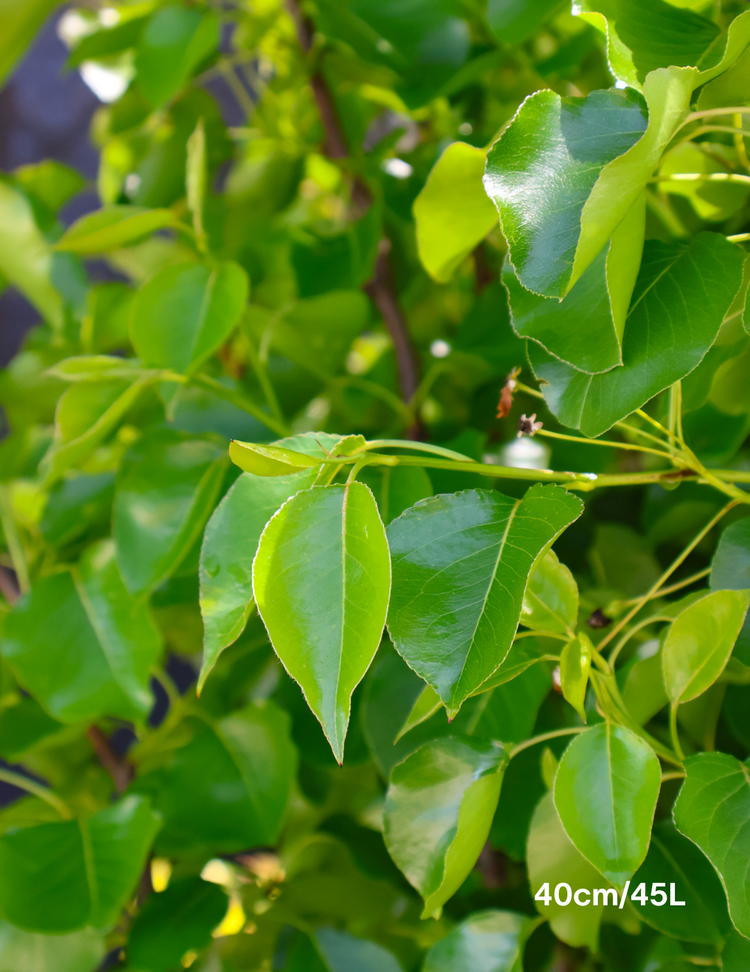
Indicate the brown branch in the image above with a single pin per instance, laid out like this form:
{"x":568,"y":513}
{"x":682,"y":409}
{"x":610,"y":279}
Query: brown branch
{"x":484,"y":275}
{"x":381,"y":288}
{"x":120,"y":769}
{"x":9,"y":587}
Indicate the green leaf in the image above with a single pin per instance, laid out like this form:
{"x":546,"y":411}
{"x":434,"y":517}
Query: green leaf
{"x":112,"y":228}
{"x":644,"y":693}
{"x":59,"y":877}
{"x":452,"y":212}
{"x":226,"y":788}
{"x":575,"y":665}
{"x":104,"y":43}
{"x":699,"y":643}
{"x":77,"y":952}
{"x":736,"y":954}
{"x":396,"y":488}
{"x":321,"y":580}
{"x":22,"y":726}
{"x":175,"y":921}
{"x":649,"y":35}
{"x":551,"y":599}
{"x":681,"y":298}
{"x":427,"y":704}
{"x":51,"y":182}
{"x":512,"y":21}
{"x":184,"y":313}
{"x":20,"y":22}
{"x":196,"y":177}
{"x":672,"y":859}
{"x":229,"y":547}
{"x":713,"y":810}
{"x":81,"y":645}
{"x":486,"y":941}
{"x":269,"y":460}
{"x":553,"y":859}
{"x":332,"y":950}
{"x":460,"y":567}
{"x":573,"y":139}
{"x":438,"y":813}
{"x":606,"y":790}
{"x":509,"y":711}
{"x":523,"y":654}
{"x":25,"y":256}
{"x":167,"y":487}
{"x":173,"y":43}
{"x":730,"y":568}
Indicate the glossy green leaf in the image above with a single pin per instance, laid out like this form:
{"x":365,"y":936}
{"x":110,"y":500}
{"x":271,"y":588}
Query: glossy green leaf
{"x":226,"y":788}
{"x":552,"y":858}
{"x":111,"y":228}
{"x":58,"y":877}
{"x":81,"y":645}
{"x":452,"y":212}
{"x":605,"y":793}
{"x":183,"y":314}
{"x":229,"y":547}
{"x":177,"y":920}
{"x":166,"y":490}
{"x":174,"y":41}
{"x":713,"y":810}
{"x":680,"y":300}
{"x":25,"y":256}
{"x":486,"y":941}
{"x":575,"y":665}
{"x":700,"y":641}
{"x":672,"y":859}
{"x":269,"y":460}
{"x":77,"y":952}
{"x":322,"y":580}
{"x":542,"y":169}
{"x":551,"y":599}
{"x":438,"y":813}
{"x":460,"y":568}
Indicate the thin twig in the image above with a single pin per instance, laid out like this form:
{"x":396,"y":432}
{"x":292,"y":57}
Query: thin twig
{"x":121,"y":770}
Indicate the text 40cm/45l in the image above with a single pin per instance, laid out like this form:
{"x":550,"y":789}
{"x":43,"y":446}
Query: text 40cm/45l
{"x":564,"y":895}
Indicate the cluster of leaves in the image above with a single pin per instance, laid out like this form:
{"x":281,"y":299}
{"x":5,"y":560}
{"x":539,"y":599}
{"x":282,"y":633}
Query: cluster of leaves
{"x":299,"y":644}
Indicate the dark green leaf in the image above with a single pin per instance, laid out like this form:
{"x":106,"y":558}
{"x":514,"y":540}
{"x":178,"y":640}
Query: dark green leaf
{"x":605,"y":791}
{"x":174,"y":922}
{"x":736,"y":954}
{"x":229,"y":547}
{"x":22,"y":726}
{"x":509,"y":711}
{"x":672,"y":859}
{"x":487,"y":941}
{"x":186,"y":312}
{"x":460,"y":568}
{"x":227,"y":788}
{"x":58,"y":877}
{"x":166,"y":490}
{"x":512,"y":21}
{"x":713,"y":810}
{"x":322,"y":579}
{"x":82,"y":645}
{"x":438,"y":813}
{"x":680,"y":300}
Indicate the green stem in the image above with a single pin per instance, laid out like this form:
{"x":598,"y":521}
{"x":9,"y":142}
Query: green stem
{"x":675,"y":410}
{"x":23,"y":783}
{"x":603,"y":442}
{"x":739,"y":238}
{"x":263,"y":380}
{"x":673,"y":587}
{"x":237,"y":399}
{"x":418,"y":447}
{"x":667,"y":574}
{"x":674,"y":735}
{"x":654,"y":619}
{"x":704,"y":177}
{"x":673,"y":775}
{"x":528,"y":743}
{"x":714,"y":112}
{"x":15,"y":547}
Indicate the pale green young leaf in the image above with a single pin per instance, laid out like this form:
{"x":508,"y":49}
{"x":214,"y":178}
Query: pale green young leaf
{"x":269,"y":460}
{"x":184,"y":313}
{"x":606,"y":790}
{"x":713,"y":810}
{"x":78,"y":951}
{"x":196,"y":175}
{"x":699,"y":643}
{"x":672,"y":859}
{"x":460,"y":566}
{"x":550,"y":602}
{"x":644,"y":693}
{"x":20,"y":22}
{"x":552,"y":858}
{"x":81,"y":645}
{"x":113,"y":227}
{"x":167,"y":487}
{"x":452,"y":212}
{"x":59,"y":877}
{"x":681,"y":298}
{"x":542,"y":169}
{"x":427,"y":704}
{"x":321,"y":581}
{"x":229,"y":547}
{"x":575,"y":665}
{"x":486,"y":941}
{"x":438,"y":813}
